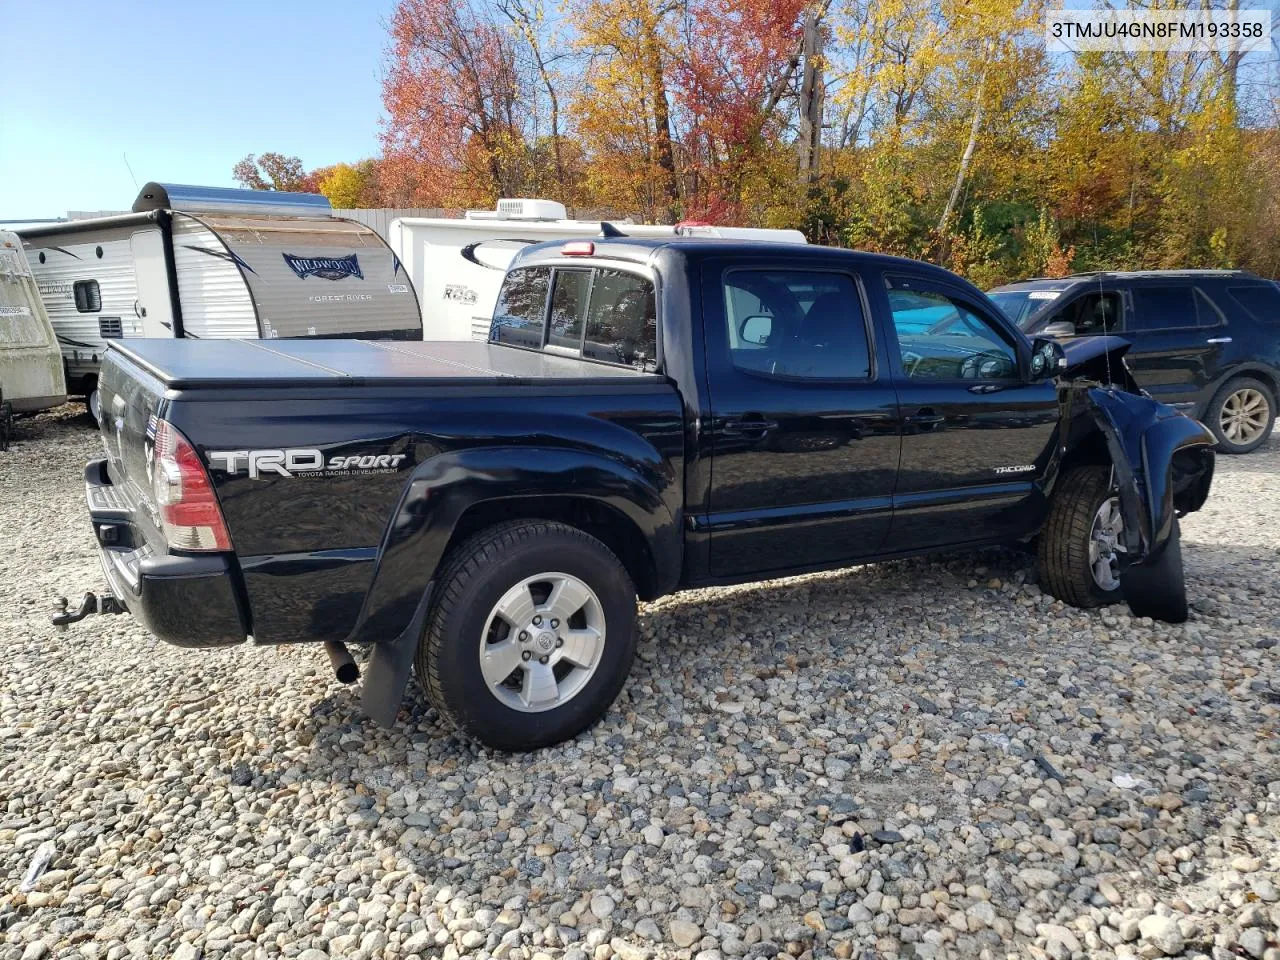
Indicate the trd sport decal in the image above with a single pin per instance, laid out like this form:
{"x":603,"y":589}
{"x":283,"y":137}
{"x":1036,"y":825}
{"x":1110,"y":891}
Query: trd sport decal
{"x":331,"y":268}
{"x":303,"y":463}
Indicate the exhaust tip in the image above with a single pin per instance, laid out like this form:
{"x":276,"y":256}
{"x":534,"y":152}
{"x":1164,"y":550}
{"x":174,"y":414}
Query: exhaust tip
{"x":344,"y":667}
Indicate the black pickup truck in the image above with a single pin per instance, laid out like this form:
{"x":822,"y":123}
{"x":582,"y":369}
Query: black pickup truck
{"x":648,"y":416}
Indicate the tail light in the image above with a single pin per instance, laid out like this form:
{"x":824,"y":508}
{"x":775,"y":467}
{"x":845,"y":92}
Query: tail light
{"x":189,"y":511}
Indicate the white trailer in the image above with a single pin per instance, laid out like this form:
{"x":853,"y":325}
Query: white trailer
{"x":457,"y":265}
{"x":30,"y":363}
{"x":215,"y":263}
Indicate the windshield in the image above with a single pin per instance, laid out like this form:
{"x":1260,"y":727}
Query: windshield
{"x":1023,"y":306}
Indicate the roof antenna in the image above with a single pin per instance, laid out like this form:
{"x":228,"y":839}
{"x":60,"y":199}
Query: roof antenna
{"x":607,"y":229}
{"x":130,"y":169}
{"x":1111,"y":384}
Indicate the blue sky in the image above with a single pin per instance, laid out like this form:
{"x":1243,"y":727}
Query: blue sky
{"x":185,"y":89}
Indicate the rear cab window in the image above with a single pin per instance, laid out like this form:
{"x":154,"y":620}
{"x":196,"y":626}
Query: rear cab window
{"x":596,"y":313}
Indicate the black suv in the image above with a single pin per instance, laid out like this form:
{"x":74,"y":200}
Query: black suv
{"x":1205,"y":341}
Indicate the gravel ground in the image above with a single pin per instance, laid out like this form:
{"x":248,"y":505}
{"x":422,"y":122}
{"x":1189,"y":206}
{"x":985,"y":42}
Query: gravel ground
{"x":920,"y":759}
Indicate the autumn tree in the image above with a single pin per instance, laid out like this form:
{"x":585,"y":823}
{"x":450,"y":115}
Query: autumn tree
{"x":622,"y":107}
{"x":349,"y":185}
{"x":459,"y":104}
{"x":273,"y":171}
{"x":740,"y":66}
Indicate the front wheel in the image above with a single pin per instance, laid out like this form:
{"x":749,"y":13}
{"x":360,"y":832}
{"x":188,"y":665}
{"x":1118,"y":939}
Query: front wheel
{"x":1080,"y":546}
{"x":532,"y":636}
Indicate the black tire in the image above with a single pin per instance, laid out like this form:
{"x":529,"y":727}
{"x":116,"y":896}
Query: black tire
{"x":1064,"y":542}
{"x":476,"y":576}
{"x":1157,"y":589}
{"x":1213,"y":415}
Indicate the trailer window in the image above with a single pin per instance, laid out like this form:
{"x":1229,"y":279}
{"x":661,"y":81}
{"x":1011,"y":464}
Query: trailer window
{"x":520,"y":313}
{"x":87,"y":295}
{"x":622,"y":321}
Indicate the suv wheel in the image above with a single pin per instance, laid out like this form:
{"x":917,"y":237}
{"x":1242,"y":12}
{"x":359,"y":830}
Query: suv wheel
{"x":1080,"y":541}
{"x":1241,"y":415}
{"x":532,"y":637}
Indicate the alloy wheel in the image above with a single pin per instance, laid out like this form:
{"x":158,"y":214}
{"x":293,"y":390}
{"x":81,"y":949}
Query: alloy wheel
{"x":542,"y":642}
{"x":1245,"y":415}
{"x":1105,"y":544}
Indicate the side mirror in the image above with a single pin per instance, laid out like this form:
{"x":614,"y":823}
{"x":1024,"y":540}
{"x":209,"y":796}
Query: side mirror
{"x":756,"y":329}
{"x":1059,"y":328}
{"x":1048,"y":359}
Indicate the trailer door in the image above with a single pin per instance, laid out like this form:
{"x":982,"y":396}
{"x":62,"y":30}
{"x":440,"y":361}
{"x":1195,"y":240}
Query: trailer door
{"x":154,"y":307}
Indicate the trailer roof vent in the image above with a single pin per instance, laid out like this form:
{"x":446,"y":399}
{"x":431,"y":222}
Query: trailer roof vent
{"x":191,"y":199}
{"x":522,"y":209}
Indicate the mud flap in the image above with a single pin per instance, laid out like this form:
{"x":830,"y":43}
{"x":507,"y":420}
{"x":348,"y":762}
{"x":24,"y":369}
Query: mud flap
{"x":387,"y":674}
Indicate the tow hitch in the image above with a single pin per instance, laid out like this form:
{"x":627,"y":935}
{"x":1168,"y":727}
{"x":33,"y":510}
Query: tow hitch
{"x":91,"y":603}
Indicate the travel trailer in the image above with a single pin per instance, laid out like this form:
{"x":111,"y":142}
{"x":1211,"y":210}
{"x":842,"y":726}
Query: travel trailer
{"x":456,"y":265}
{"x":30,"y":363}
{"x":215,"y":263}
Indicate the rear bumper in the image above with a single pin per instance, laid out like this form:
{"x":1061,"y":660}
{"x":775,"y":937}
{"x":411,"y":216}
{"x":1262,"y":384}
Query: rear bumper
{"x":189,"y":600}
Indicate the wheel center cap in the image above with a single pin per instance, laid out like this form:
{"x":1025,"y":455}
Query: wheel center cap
{"x":545,"y":641}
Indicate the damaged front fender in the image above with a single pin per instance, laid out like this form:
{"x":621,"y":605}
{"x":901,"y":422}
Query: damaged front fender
{"x":1163,"y":465}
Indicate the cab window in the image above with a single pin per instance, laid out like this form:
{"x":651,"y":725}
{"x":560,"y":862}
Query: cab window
{"x":593,"y":312}
{"x":520,"y":313}
{"x":622,"y":320}
{"x":796,"y":324}
{"x":940,"y":337}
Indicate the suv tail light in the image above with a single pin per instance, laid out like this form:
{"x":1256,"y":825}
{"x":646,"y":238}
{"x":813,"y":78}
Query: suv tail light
{"x":189,"y":510}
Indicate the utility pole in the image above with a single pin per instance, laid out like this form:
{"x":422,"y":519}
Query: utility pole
{"x":811,"y":94}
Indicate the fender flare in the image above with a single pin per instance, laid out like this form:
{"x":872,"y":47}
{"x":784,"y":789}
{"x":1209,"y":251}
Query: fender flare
{"x":444,"y":487}
{"x":1145,"y":438}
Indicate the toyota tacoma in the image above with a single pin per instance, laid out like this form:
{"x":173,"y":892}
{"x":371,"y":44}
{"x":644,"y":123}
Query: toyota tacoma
{"x":647,"y":416}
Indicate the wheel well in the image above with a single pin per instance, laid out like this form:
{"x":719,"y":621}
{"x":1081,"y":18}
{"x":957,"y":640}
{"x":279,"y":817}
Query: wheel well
{"x":608,"y":525}
{"x":1089,"y":449}
{"x":1265,"y":376}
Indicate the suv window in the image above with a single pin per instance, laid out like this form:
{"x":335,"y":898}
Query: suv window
{"x":1093,"y":313}
{"x":942,"y":338}
{"x":1261,"y":300}
{"x":804,"y":324}
{"x":520,"y":313}
{"x":1171,"y":308}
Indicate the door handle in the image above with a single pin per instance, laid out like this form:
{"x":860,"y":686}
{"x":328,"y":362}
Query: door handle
{"x":1218,"y":340}
{"x":750,"y":424}
{"x":926,"y":417}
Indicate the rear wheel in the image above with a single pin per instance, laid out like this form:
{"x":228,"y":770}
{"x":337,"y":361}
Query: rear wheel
{"x":1241,"y":415}
{"x":1080,"y":546}
{"x":532,"y":637}
{"x":94,"y":402}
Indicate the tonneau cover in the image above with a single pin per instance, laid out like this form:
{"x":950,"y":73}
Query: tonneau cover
{"x":188,"y":364}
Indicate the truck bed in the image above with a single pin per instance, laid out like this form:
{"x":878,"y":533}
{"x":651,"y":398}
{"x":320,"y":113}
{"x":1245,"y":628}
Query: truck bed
{"x":293,"y":363}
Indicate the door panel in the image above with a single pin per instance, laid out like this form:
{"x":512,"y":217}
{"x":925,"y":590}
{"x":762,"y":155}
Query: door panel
{"x":804,"y":435}
{"x":977,"y":435}
{"x":154,"y":306}
{"x":1177,"y":337}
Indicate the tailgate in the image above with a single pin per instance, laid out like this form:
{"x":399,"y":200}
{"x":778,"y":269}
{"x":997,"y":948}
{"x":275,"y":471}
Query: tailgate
{"x":132,"y":401}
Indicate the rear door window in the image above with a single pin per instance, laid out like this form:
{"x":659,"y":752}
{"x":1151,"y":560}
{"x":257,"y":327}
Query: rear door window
{"x":519,"y":316}
{"x":1171,"y":308}
{"x":1261,"y":300}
